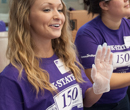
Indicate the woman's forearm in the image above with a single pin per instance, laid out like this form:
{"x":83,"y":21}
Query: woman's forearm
{"x":90,"y":97}
{"x":119,"y":80}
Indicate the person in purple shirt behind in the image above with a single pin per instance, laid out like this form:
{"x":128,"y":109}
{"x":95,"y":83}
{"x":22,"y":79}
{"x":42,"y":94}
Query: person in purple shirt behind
{"x":112,"y":28}
{"x":2,"y":26}
{"x":44,"y":72}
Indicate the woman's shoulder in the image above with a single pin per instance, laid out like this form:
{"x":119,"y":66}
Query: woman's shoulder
{"x":10,"y":72}
{"x":125,"y":24}
{"x":90,"y":26}
{"x":125,"y":21}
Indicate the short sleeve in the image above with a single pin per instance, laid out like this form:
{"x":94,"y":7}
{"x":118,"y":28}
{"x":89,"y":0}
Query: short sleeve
{"x":10,"y":95}
{"x":86,"y":44}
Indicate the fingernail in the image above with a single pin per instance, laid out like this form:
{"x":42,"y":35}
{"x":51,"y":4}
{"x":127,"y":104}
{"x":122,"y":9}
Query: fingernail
{"x":99,"y":47}
{"x":93,"y":65}
{"x":104,"y":44}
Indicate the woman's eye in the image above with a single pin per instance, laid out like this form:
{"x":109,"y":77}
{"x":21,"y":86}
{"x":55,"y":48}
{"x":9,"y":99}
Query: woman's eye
{"x":60,"y":10}
{"x":46,"y":10}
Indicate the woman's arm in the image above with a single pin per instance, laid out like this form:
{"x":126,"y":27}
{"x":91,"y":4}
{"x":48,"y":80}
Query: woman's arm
{"x":101,"y":73}
{"x":117,"y":81}
{"x":90,"y":97}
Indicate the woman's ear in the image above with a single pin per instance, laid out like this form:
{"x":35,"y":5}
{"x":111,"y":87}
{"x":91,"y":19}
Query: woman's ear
{"x":103,"y":5}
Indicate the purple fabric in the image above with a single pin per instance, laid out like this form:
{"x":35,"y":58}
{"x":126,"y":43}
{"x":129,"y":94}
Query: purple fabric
{"x":95,"y":33}
{"x":2,"y":26}
{"x":16,"y":94}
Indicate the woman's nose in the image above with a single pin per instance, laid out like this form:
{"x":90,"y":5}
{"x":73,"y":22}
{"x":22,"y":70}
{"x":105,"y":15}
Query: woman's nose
{"x":56,"y":14}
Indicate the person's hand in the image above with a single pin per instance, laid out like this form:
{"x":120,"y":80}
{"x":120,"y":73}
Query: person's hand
{"x":102,"y":70}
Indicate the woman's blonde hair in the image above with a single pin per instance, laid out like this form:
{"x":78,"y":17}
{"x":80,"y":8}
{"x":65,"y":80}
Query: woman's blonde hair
{"x":20,"y":47}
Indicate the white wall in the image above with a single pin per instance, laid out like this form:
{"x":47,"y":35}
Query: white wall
{"x":3,"y":46}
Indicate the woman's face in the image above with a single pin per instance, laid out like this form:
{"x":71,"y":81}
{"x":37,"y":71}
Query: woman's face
{"x":119,"y":8}
{"x":46,"y":19}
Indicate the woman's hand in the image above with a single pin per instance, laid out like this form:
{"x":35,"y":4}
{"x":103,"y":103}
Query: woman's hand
{"x":102,"y":70}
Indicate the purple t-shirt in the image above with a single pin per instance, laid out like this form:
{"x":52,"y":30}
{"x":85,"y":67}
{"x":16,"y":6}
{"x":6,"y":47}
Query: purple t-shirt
{"x":2,"y":26}
{"x":95,"y":33}
{"x":16,"y":94}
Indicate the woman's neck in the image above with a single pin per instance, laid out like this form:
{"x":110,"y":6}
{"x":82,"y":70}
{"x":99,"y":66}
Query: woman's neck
{"x":44,"y":53}
{"x":43,"y":49}
{"x":111,"y":22}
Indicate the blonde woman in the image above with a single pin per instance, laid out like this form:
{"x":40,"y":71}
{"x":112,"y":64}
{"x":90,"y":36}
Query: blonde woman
{"x":44,"y":73}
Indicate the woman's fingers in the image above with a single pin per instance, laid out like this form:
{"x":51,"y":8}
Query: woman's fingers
{"x":104,"y":50}
{"x":93,"y":72}
{"x":103,"y":54}
{"x":107,"y":57}
{"x":111,"y":58}
{"x":98,"y":55}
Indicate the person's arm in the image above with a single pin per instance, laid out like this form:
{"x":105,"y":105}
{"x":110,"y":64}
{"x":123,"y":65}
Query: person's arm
{"x":117,"y":80}
{"x":101,"y":73}
{"x":91,"y":97}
